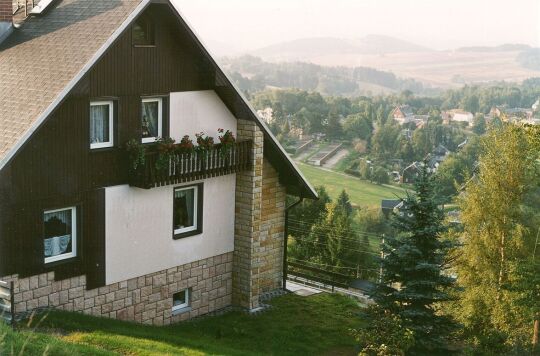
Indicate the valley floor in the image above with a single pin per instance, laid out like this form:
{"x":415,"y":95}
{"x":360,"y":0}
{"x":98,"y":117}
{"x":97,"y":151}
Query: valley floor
{"x":361,"y":192}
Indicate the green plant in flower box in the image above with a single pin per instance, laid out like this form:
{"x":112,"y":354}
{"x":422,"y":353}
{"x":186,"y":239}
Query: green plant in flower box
{"x":166,"y":149}
{"x":136,"y":153}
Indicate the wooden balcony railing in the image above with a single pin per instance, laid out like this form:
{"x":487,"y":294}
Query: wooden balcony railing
{"x":193,"y":166}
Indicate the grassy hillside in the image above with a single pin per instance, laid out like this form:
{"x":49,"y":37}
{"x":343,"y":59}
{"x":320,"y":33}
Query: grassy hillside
{"x":362,"y":193}
{"x":293,"y":326}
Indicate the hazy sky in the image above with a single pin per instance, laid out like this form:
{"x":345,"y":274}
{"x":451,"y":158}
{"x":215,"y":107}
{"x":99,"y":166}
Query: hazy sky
{"x":440,"y":24}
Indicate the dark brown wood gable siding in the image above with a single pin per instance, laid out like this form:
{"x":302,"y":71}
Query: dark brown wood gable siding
{"x":56,"y":167}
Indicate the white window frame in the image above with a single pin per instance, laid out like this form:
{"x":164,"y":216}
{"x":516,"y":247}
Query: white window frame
{"x":195,"y":226}
{"x":110,"y":143}
{"x":184,"y":305}
{"x":73,"y":252}
{"x":160,"y":119}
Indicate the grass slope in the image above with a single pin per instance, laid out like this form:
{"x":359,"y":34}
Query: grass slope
{"x":361,"y":192}
{"x":294,"y":326}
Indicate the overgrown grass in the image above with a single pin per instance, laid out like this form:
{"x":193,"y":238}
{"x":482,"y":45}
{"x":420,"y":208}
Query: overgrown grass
{"x":295,"y":325}
{"x":361,"y":192}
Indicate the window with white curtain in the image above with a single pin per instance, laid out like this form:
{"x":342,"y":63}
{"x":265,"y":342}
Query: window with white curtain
{"x":60,"y":234}
{"x":151,"y":119}
{"x":101,"y":124}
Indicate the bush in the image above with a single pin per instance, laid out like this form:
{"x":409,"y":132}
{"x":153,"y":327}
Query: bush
{"x":380,"y":175}
{"x":385,"y":334}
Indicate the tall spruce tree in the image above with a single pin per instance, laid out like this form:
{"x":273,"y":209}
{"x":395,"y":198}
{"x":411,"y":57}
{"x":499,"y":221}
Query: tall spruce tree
{"x":413,"y":282}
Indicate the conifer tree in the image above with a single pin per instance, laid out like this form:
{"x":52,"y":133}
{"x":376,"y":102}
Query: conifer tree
{"x":413,"y":282}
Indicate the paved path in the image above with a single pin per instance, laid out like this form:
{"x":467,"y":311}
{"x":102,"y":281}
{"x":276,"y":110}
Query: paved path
{"x":331,"y":163}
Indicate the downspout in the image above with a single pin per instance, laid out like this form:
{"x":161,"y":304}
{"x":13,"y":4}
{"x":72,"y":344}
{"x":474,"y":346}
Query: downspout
{"x":286,"y":241}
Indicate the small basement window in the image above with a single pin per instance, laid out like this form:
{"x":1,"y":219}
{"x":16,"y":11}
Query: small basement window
{"x":187,"y":211}
{"x":60,"y":234}
{"x":143,"y":32}
{"x":151,"y":119}
{"x":180,"y":300}
{"x":101,"y":124}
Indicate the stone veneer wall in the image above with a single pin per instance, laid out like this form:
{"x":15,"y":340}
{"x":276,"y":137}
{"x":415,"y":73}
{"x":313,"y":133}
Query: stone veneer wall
{"x":146,"y":299}
{"x":271,"y":237}
{"x":259,"y":225}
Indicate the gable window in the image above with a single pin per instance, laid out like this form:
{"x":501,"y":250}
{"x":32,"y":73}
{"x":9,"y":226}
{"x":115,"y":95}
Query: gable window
{"x":60,"y":234}
{"x":187,"y":211}
{"x":142,"y":32}
{"x":180,"y":300}
{"x":151,"y":119}
{"x":101,"y":124}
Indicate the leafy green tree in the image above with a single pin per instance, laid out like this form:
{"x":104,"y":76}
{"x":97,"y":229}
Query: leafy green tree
{"x":422,"y":142}
{"x":384,"y":335}
{"x":385,"y":141}
{"x":343,"y":202}
{"x":301,"y":220}
{"x":526,"y":285}
{"x":334,"y":129}
{"x":414,"y":260}
{"x":365,"y":170}
{"x":479,"y":124}
{"x":496,"y":212}
{"x":358,"y":126}
{"x":334,"y":237}
{"x":380,"y":175}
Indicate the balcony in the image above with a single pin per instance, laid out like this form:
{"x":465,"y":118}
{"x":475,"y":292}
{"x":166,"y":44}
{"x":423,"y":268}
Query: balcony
{"x":192,"y":166}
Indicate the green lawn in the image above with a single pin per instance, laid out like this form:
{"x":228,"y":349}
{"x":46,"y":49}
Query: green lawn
{"x":294,"y":325}
{"x":361,"y":192}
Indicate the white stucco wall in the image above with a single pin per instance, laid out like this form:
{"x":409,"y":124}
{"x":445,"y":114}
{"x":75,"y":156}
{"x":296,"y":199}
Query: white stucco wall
{"x":194,"y":111}
{"x":139,"y":228}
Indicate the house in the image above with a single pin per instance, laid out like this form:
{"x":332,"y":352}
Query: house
{"x":403,"y":114}
{"x":512,"y":114}
{"x":437,"y":156}
{"x":84,"y":225}
{"x":536,"y":106}
{"x":389,"y":205}
{"x":267,"y":115}
{"x":411,"y":172}
{"x":457,"y":115}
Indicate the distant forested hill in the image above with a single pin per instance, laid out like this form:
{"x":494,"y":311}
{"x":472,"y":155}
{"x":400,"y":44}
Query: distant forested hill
{"x":530,"y":58}
{"x":253,"y":74}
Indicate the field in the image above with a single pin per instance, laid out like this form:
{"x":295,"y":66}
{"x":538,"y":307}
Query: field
{"x":293,"y":326}
{"x":362,"y":193}
{"x":445,"y":69}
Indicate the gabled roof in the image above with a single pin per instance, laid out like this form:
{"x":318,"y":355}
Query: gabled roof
{"x":405,"y":109}
{"x":41,"y":62}
{"x":389,"y":204}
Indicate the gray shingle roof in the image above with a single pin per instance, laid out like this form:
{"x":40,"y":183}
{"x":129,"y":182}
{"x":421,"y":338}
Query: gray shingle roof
{"x":40,"y":59}
{"x":44,"y":59}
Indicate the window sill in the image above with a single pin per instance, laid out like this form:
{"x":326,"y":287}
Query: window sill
{"x":183,"y":235}
{"x":53,"y":264}
{"x":181,"y":311}
{"x":103,"y":149}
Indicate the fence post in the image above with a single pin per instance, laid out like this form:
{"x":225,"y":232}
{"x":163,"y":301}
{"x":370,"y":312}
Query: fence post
{"x":12,"y":301}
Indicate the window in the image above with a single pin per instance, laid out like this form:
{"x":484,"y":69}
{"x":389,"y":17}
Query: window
{"x":180,"y":300}
{"x":187,"y":212}
{"x":60,"y":234}
{"x":151,"y":119}
{"x":101,"y":124}
{"x":143,"y":32}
